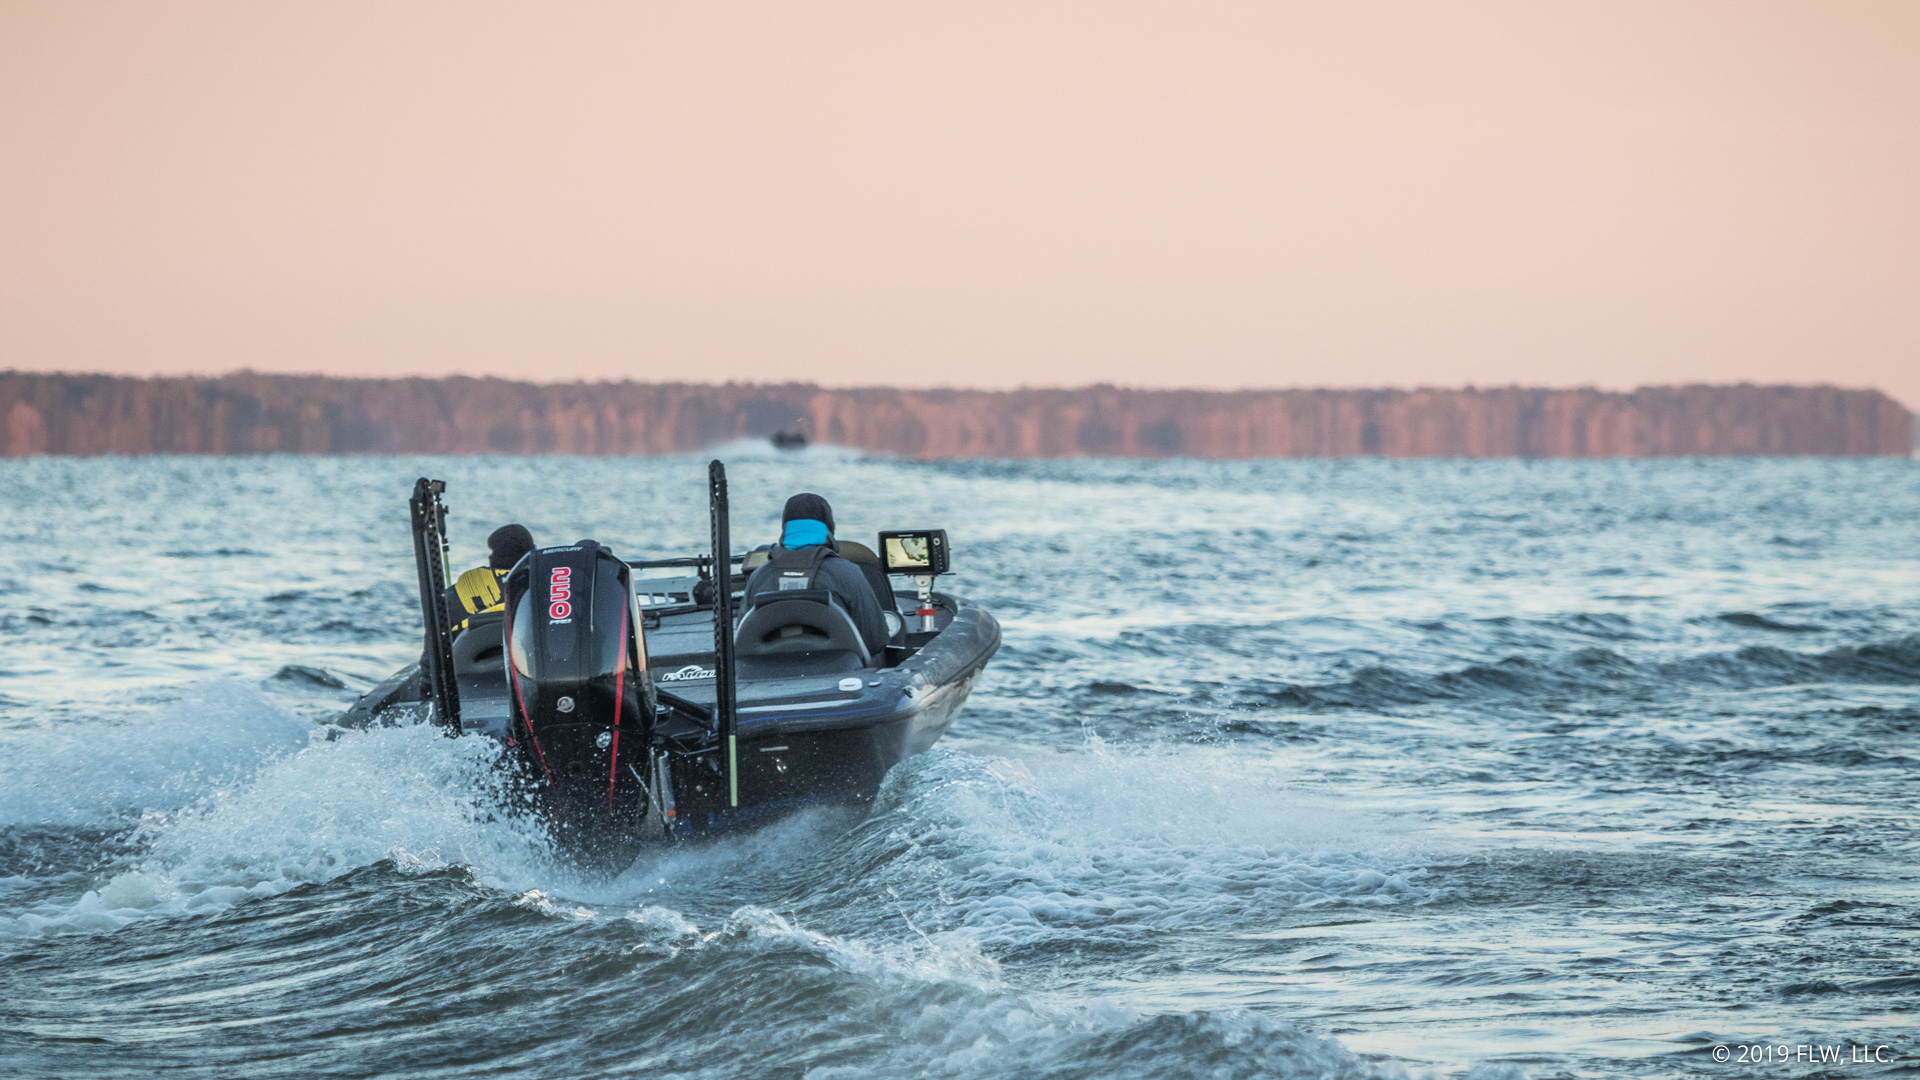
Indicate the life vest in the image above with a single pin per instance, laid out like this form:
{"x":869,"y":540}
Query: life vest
{"x":796,"y":569}
{"x":478,"y":591}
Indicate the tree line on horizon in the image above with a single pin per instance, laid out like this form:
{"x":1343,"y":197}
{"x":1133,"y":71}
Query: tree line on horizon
{"x":57,"y":413}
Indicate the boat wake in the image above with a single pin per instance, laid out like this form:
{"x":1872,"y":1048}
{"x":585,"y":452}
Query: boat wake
{"x":848,"y":926}
{"x":1060,"y":850}
{"x":223,"y":797}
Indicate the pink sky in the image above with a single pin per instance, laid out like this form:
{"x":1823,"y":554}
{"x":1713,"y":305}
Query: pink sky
{"x":974,"y":194}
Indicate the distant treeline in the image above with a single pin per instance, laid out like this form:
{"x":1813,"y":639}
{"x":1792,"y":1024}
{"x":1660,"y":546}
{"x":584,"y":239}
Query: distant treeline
{"x":251,"y":413}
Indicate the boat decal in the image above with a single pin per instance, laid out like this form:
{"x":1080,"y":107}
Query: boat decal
{"x":688,"y":674}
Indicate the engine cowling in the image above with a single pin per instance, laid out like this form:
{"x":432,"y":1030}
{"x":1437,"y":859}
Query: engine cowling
{"x":581,"y":699}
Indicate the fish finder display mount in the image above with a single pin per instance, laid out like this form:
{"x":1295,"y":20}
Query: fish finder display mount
{"x":921,"y":554}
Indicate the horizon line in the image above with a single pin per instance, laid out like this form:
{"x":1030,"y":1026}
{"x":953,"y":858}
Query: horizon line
{"x":1023,"y":388}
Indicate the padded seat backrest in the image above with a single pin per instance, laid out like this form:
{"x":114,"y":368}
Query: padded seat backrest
{"x":871,"y":568}
{"x":481,"y":647}
{"x":855,"y":551}
{"x":799,"y":629}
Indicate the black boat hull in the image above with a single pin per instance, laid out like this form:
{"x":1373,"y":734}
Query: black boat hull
{"x":803,"y":741}
{"x":792,"y":767}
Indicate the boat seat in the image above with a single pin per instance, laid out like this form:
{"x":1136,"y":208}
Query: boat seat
{"x":855,"y":551}
{"x":480,"y":648}
{"x":797,"y":632}
{"x":863,"y":557}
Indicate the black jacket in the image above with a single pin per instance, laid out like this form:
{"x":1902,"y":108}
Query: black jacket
{"x":845,"y":581}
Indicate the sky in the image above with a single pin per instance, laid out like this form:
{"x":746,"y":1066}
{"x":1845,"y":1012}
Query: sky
{"x":980,"y":194}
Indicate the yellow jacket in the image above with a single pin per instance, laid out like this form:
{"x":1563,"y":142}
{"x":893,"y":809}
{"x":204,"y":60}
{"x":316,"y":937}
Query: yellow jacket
{"x":479,"y":592}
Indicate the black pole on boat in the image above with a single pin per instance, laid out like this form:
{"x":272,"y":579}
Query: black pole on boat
{"x":723,"y":689}
{"x":430,"y":557}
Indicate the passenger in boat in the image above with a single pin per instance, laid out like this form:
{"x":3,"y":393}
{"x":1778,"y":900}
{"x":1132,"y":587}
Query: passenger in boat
{"x":807,"y":557}
{"x":477,"y":591}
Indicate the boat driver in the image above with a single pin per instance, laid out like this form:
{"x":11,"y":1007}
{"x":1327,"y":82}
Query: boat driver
{"x":807,"y":546}
{"x":477,"y":591}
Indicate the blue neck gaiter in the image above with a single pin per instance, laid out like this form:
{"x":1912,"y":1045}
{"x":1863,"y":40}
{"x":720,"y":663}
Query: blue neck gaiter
{"x":804,"y":533}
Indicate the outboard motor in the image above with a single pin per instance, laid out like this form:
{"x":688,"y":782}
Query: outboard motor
{"x":581,"y":698}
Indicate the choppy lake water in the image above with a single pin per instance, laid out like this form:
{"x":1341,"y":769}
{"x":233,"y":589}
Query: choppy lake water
{"x":1286,"y":769}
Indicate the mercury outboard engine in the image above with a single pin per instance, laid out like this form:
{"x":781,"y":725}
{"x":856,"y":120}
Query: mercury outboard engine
{"x":581,"y":699}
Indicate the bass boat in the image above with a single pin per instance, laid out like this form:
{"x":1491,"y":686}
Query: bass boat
{"x":653,"y":699}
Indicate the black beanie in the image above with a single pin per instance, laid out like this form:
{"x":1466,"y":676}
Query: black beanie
{"x":810,"y":507}
{"x":506,"y":545}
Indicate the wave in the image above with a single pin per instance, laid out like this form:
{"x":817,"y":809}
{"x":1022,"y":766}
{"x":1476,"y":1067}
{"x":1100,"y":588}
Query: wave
{"x":962,"y":859}
{"x":1582,"y":673}
{"x":942,"y":1002}
{"x":408,"y":795}
{"x":1087,"y":847}
{"x":108,"y":773}
{"x":1753,"y":621}
{"x":1107,"y":845}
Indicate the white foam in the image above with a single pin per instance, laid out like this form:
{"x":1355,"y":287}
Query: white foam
{"x":409,"y":795}
{"x":110,"y":772}
{"x":1120,"y":841}
{"x":1000,"y":853}
{"x":948,"y":958}
{"x":993,"y":853}
{"x":943,"y":1001}
{"x":949,"y":1012}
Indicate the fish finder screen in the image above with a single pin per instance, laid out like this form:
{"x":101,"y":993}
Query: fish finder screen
{"x":916,"y":553}
{"x":908,"y":551}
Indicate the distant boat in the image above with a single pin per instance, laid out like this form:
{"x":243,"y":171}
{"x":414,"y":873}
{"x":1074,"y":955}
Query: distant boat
{"x":788,"y":440}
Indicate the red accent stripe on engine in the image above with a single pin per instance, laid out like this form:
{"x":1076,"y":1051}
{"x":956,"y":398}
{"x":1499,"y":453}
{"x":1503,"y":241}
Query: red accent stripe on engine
{"x":619,"y":701}
{"x":526,"y":717}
